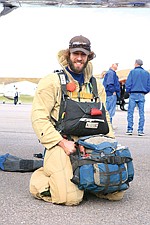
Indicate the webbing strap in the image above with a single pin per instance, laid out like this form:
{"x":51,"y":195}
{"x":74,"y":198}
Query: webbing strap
{"x":83,"y":95}
{"x":107,"y":160}
{"x":63,"y":77}
{"x":94,"y":86}
{"x":107,"y":174}
{"x":63,"y":81}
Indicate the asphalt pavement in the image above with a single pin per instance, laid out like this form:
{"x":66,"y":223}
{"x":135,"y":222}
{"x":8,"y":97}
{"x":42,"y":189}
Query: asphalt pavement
{"x":18,"y":207}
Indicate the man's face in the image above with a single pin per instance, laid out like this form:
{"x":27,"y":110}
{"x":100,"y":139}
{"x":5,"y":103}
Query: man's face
{"x":77,"y":61}
{"x":115,"y":66}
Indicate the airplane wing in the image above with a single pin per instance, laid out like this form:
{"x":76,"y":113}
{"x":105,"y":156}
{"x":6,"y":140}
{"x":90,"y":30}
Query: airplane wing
{"x":9,"y":5}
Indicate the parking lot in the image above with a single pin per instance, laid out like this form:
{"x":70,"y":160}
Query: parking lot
{"x":19,"y":207}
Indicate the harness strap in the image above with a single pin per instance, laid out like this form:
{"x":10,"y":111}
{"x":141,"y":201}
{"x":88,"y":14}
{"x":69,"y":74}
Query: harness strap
{"x":63,"y":81}
{"x":94,"y":86}
{"x":83,"y":95}
{"x":107,"y":174}
{"x":106,"y":159}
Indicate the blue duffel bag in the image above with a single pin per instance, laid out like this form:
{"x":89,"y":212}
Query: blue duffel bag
{"x":13,"y":163}
{"x":106,"y":167}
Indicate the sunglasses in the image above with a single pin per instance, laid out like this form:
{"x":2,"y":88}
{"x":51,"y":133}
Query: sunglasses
{"x":80,"y":45}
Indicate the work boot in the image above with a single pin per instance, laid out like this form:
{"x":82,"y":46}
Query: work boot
{"x":116,"y":196}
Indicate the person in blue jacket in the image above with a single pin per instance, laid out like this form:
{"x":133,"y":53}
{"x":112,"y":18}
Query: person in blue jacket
{"x":112,"y":88}
{"x":137,"y":85}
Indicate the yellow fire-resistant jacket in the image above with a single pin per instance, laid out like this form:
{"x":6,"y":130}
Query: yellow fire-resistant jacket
{"x":46,"y":103}
{"x":56,"y":174}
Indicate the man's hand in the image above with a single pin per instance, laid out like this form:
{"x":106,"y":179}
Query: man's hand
{"x":68,"y":146}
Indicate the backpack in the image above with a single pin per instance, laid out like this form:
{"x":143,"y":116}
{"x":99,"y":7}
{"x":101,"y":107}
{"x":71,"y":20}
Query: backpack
{"x":12,"y":163}
{"x":106,"y":167}
{"x":81,"y":118}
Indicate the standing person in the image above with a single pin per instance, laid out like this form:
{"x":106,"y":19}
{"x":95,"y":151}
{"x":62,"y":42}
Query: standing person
{"x":52,"y":182}
{"x":112,"y":88}
{"x":102,"y":75}
{"x":137,"y":85}
{"x":16,"y":96}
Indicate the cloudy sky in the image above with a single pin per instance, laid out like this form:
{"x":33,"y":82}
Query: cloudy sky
{"x":30,"y":38}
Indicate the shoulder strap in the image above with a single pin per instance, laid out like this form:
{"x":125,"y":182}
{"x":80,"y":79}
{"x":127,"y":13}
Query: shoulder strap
{"x":94,"y":86}
{"x":63,"y":81}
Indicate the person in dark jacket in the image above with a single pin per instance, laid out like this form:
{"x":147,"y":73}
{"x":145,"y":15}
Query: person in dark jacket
{"x":16,"y":96}
{"x":137,"y":85}
{"x":112,"y":88}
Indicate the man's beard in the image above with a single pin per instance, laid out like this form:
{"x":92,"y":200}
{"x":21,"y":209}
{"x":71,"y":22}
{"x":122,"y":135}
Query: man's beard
{"x":76,"y":70}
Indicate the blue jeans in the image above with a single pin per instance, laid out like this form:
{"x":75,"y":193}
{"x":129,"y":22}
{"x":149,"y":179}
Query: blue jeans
{"x":111,"y":105}
{"x":139,"y":100}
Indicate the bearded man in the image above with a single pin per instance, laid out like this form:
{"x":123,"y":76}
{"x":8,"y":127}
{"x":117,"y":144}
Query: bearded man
{"x":52,"y":182}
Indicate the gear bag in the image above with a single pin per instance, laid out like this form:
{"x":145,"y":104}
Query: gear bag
{"x":107,"y":167}
{"x":81,"y":118}
{"x":12,"y":163}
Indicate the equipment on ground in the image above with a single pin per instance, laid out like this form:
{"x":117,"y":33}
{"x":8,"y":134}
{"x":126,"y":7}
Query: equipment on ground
{"x":106,"y":167}
{"x":81,"y":118}
{"x":12,"y":163}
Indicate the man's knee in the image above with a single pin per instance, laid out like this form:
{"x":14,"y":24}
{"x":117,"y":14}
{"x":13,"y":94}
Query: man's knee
{"x":63,"y":191}
{"x":38,"y":183}
{"x":57,"y":173}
